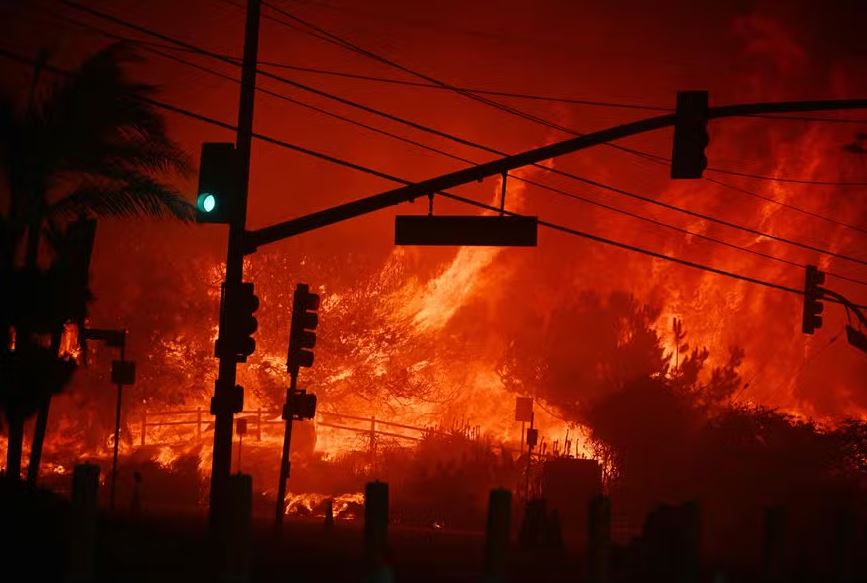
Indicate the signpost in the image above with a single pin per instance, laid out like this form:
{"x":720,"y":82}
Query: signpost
{"x":523,"y":413}
{"x":122,"y":373}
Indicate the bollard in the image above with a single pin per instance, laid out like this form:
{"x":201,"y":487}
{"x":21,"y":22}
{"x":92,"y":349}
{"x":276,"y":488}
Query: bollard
{"x":773,"y":545}
{"x":598,"y":539}
{"x":329,"y":514}
{"x":81,"y":542}
{"x":691,"y":533}
{"x":375,"y":524}
{"x":534,"y":524}
{"x":239,"y":534}
{"x":498,"y":532}
{"x":671,"y":541}
{"x":844,"y":546}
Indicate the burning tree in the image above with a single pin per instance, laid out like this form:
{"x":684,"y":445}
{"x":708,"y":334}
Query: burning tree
{"x":89,"y":146}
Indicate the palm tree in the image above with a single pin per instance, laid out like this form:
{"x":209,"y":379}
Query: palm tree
{"x":92,"y":145}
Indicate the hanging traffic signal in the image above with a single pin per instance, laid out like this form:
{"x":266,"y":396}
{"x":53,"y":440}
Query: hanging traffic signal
{"x":302,"y":338}
{"x":300,"y":405}
{"x":219,"y":183}
{"x":813,"y":295}
{"x":240,"y":305}
{"x":688,"y":158}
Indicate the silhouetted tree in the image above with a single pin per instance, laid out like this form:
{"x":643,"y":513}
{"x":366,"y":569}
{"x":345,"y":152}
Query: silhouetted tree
{"x":585,"y":350}
{"x":91,"y":145}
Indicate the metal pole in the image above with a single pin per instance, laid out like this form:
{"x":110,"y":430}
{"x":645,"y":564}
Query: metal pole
{"x":144,"y":426}
{"x":372,"y":446}
{"x":117,"y":429}
{"x":223,"y":402}
{"x":529,"y":459}
{"x":259,"y":424}
{"x":284,"y":456}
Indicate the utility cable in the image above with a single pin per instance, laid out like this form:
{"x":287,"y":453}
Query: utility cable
{"x":561,"y":192}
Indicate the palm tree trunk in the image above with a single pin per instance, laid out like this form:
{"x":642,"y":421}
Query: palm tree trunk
{"x":38,"y":440}
{"x":15,"y":445}
{"x":41,"y":425}
{"x":14,"y":453}
{"x":16,"y":420}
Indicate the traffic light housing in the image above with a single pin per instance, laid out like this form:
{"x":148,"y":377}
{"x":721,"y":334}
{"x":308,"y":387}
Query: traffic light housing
{"x":688,"y":159}
{"x":299,"y":405}
{"x":302,"y":338}
{"x":239,"y":322}
{"x":219,"y":183}
{"x":813,"y":294}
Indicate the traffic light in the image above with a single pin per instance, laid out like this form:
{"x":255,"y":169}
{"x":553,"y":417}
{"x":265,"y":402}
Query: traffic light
{"x":688,"y":158}
{"x":219,"y":183}
{"x":302,"y":339}
{"x":299,"y":405}
{"x":239,"y":322}
{"x":813,"y":295}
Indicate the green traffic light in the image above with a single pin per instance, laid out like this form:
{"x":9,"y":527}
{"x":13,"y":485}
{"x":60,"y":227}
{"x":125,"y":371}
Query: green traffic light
{"x":206,"y":202}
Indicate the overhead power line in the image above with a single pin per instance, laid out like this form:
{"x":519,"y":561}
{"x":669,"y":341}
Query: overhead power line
{"x":358,"y":167}
{"x":785,"y":205}
{"x":463,"y":141}
{"x":355,"y":48}
{"x":335,"y":39}
{"x":786,"y":179}
{"x":573,"y":196}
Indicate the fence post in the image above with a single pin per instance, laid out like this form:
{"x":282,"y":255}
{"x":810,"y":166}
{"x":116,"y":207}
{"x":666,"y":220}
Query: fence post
{"x":372,"y":445}
{"x":144,"y":425}
{"x":259,"y":424}
{"x":329,"y":515}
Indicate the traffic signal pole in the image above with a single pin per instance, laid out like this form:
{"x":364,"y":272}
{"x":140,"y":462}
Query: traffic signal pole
{"x":284,"y":457}
{"x":302,"y":340}
{"x":410,"y":191}
{"x":224,"y":402}
{"x":117,"y":413}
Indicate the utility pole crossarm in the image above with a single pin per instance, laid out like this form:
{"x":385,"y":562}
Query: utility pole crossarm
{"x":411,"y":191}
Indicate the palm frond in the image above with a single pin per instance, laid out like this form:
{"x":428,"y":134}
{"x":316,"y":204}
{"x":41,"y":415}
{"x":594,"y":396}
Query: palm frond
{"x":130,"y":194}
{"x":98,"y":110}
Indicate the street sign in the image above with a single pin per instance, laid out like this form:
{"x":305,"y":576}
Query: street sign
{"x":472,"y":230}
{"x":241,"y":426}
{"x":112,"y":338}
{"x":523,"y":409}
{"x":123,"y":372}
